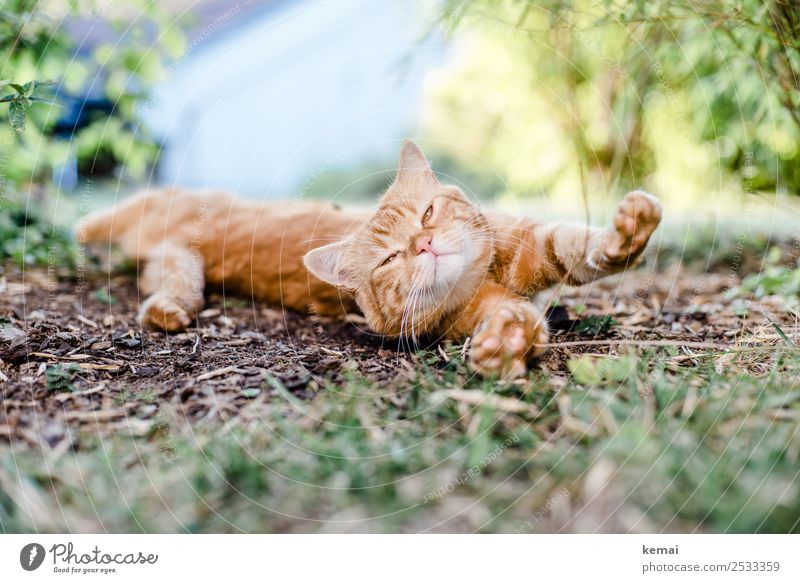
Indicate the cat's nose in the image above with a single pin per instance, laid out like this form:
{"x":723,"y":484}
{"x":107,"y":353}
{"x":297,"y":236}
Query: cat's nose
{"x":424,"y":243}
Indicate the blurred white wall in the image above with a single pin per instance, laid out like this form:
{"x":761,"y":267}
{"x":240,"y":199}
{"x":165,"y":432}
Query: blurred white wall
{"x":310,"y":85}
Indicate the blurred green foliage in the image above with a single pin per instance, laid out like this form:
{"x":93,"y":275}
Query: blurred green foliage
{"x":40,"y":69}
{"x":683,"y":96}
{"x":28,"y":237}
{"x":778,"y":278}
{"x":44,"y":81}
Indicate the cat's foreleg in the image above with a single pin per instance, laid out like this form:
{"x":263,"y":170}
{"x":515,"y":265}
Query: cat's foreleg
{"x":637,"y":216}
{"x":505,"y":331}
{"x":577,"y":254}
{"x":173,"y":279}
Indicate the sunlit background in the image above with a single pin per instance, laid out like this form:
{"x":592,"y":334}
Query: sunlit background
{"x":554,"y":108}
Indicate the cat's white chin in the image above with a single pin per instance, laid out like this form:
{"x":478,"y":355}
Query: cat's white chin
{"x":447,"y":270}
{"x":446,"y":276}
{"x":441,"y":277}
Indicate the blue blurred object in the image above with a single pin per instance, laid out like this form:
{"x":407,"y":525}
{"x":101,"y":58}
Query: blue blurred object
{"x":267,"y":98}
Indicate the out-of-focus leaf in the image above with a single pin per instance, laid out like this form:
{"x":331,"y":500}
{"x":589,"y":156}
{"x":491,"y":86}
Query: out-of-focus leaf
{"x":16,"y":114}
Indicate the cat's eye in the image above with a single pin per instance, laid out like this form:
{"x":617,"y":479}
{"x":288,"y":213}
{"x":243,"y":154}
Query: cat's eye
{"x":427,"y":216}
{"x":389,"y":259}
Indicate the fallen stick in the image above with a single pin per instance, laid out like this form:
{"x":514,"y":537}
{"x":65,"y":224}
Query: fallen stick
{"x":87,"y":321}
{"x":92,"y":366}
{"x":478,"y":398}
{"x":623,"y":342}
{"x":97,"y":415}
{"x":219,"y":372}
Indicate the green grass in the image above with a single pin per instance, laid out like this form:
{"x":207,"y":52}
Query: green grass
{"x":640,"y":443}
{"x":648,"y":441}
{"x":28,"y":237}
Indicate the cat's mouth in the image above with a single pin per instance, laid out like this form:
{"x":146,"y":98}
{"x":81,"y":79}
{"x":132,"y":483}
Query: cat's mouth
{"x":444,"y":266}
{"x":442,"y":269}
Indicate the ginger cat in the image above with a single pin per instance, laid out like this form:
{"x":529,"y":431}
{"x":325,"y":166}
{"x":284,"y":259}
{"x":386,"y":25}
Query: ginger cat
{"x":426,"y":262}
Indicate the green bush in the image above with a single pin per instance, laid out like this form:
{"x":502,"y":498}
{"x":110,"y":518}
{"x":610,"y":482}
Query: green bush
{"x":28,"y":238}
{"x":40,"y":70}
{"x":687,"y":95}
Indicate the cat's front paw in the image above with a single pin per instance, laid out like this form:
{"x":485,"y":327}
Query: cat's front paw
{"x":638,"y":215}
{"x":159,"y":312}
{"x":506,"y":340}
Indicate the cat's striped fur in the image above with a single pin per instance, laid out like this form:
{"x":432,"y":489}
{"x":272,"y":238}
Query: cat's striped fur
{"x":426,"y":262}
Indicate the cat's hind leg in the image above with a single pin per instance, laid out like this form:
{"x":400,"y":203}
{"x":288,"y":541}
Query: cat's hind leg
{"x":173,"y":279}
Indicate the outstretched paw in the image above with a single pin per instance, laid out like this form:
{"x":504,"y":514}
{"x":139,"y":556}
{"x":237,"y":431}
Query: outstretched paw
{"x":159,"y":312}
{"x":507,"y":340}
{"x":637,"y":217}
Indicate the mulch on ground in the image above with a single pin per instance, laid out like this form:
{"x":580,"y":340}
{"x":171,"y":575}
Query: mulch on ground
{"x":75,"y":363}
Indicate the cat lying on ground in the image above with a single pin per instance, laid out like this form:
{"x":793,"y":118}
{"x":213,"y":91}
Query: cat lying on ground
{"x":426,"y":263}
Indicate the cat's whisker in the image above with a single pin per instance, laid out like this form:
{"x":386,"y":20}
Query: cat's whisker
{"x":414,"y":308}
{"x":403,"y":318}
{"x":409,"y":317}
{"x":407,"y":309}
{"x":412,"y":337}
{"x":509,"y":237}
{"x":416,"y":305}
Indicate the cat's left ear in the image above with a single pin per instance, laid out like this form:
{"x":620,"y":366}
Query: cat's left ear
{"x":328,"y":264}
{"x":413,"y":166}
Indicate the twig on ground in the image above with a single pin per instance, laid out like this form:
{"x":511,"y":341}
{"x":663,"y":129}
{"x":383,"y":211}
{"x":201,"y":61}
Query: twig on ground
{"x":478,"y":398}
{"x":86,"y":321}
{"x":625,"y":342}
{"x":219,"y":372}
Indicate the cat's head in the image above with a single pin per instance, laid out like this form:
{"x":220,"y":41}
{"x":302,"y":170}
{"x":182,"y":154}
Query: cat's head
{"x":423,"y":253}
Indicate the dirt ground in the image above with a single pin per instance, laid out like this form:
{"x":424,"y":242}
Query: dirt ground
{"x":74,"y":358}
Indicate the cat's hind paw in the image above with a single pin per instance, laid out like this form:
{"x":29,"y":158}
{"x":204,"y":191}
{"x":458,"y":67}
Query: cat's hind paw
{"x":638,"y":215}
{"x":159,"y":312}
{"x":508,"y":338}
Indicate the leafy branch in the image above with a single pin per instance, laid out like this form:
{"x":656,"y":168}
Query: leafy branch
{"x":20,"y":100}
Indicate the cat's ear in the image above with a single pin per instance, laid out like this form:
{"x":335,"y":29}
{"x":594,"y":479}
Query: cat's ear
{"x":327,"y":263}
{"x":413,"y":166}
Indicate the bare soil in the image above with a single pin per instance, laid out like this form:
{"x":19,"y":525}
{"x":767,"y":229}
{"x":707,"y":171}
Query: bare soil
{"x":75,"y":364}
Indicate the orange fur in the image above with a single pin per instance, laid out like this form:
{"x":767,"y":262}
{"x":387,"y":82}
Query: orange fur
{"x":426,"y":262}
